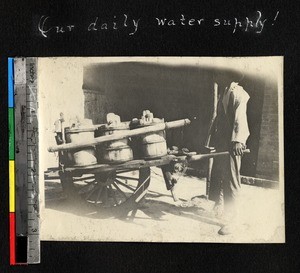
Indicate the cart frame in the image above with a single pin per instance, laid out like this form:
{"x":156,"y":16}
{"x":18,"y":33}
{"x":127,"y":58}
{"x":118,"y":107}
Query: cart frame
{"x":107,"y":186}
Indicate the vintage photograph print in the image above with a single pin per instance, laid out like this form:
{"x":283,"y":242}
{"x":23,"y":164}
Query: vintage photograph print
{"x":161,"y":149}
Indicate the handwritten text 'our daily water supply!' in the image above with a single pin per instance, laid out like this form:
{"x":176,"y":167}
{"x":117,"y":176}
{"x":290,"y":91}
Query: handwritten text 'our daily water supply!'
{"x":255,"y":23}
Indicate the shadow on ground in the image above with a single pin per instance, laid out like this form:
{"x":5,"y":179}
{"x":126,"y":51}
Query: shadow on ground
{"x":152,"y":208}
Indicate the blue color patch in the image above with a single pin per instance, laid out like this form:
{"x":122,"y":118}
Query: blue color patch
{"x":10,"y":82}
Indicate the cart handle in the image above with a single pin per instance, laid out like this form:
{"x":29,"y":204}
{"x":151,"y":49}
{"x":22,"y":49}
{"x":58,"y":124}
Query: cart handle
{"x":121,"y":135}
{"x":203,"y":156}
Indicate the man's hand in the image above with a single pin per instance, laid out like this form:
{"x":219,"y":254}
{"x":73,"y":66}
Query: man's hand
{"x":238,"y":148}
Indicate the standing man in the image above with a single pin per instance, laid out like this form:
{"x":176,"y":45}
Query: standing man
{"x":230,"y":133}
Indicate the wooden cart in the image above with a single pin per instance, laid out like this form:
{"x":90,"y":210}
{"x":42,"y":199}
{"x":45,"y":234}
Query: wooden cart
{"x":110,"y":185}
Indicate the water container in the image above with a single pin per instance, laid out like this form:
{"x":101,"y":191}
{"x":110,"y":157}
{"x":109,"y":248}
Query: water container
{"x":117,"y":151}
{"x":83,"y":156}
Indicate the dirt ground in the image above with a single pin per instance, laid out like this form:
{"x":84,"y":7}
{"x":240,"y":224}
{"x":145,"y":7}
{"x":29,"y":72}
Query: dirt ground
{"x":158,"y":219}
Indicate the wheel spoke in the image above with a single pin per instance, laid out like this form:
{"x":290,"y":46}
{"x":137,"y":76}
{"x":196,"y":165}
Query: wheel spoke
{"x":91,"y":192}
{"x":99,"y":195}
{"x":122,"y":171}
{"x":83,"y":178}
{"x":82,"y":188}
{"x":113,"y":194}
{"x":124,"y":185}
{"x":119,"y":190}
{"x":105,"y":195}
{"x":127,"y":177}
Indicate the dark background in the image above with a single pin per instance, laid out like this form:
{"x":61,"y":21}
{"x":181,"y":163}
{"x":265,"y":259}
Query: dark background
{"x":19,"y":37}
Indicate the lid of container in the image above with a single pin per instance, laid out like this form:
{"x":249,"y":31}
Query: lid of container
{"x":154,"y":122}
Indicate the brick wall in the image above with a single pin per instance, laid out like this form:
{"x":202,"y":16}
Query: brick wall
{"x":268,"y":153}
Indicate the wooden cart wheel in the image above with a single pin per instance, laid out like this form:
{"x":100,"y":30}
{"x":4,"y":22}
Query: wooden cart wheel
{"x":110,"y":189}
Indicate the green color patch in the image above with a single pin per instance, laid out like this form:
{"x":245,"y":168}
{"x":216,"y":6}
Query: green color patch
{"x":11,"y":133}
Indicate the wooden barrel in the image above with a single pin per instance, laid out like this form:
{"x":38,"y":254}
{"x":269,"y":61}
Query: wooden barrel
{"x":117,"y":154}
{"x":150,"y":145}
{"x":83,"y":156}
{"x":154,"y":145}
{"x":116,"y":151}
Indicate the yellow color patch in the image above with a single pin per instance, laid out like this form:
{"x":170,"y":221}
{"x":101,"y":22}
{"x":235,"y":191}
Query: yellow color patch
{"x":12,"y":186}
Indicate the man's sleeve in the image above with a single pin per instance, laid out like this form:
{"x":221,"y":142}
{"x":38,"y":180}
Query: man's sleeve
{"x":240,"y":132}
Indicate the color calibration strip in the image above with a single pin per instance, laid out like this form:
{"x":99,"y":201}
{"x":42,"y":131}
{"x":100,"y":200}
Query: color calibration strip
{"x":12,"y":182}
{"x":23,"y":162}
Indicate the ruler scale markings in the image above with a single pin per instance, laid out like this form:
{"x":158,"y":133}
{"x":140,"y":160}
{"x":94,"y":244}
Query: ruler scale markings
{"x":20,"y":156}
{"x":26,"y":142}
{"x":33,"y":251}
